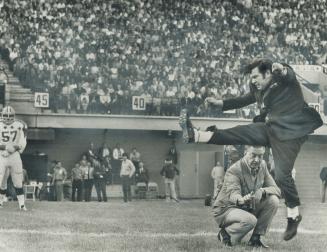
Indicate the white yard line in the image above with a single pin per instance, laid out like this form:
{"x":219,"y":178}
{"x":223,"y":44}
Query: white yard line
{"x":136,"y":234}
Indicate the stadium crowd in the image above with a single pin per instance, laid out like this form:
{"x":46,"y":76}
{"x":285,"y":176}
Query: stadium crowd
{"x":93,"y":56}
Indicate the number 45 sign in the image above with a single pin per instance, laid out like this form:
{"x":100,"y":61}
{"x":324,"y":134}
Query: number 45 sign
{"x":41,"y":100}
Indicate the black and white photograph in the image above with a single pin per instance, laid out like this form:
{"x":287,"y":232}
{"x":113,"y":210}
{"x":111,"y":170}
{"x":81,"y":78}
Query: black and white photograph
{"x":163,"y":125}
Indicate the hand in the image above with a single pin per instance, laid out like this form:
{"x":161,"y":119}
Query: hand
{"x":278,"y":68}
{"x":247,"y":197}
{"x":240,"y":201}
{"x":244,"y":199}
{"x":214,"y":101}
{"x":258,"y":194}
{"x":10,"y":148}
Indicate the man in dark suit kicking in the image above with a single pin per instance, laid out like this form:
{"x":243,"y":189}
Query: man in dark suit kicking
{"x":283,"y":124}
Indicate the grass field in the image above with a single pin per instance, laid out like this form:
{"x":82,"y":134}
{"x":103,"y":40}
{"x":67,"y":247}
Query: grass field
{"x":140,"y":226}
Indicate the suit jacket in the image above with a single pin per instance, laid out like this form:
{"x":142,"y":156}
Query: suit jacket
{"x":283,"y":105}
{"x":239,"y":182}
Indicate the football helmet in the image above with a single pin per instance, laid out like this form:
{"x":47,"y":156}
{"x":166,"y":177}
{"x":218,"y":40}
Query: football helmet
{"x":8,"y":115}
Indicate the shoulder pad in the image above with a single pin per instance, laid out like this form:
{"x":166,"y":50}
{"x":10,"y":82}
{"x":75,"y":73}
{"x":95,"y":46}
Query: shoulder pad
{"x":20,"y":123}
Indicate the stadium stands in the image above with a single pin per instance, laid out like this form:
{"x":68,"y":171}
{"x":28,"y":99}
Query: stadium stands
{"x":93,"y":56}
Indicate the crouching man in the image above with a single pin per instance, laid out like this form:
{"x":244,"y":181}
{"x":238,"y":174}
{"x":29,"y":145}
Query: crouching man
{"x":248,"y":200}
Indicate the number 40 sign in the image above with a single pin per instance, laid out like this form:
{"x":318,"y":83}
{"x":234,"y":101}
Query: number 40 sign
{"x":138,"y":103}
{"x":41,"y":100}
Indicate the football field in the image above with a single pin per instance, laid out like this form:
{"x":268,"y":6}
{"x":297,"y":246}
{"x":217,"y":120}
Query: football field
{"x":141,"y":226}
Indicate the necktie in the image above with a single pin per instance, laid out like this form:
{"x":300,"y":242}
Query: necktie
{"x":254,"y":172}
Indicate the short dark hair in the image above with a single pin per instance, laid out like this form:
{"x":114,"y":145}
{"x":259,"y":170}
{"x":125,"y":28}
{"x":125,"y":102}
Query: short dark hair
{"x":263,"y":65}
{"x":125,"y":155}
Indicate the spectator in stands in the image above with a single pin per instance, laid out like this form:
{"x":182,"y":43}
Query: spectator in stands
{"x":106,"y":163}
{"x":48,"y":189}
{"x":58,"y":180}
{"x":91,"y":152}
{"x":173,"y":52}
{"x":241,"y":205}
{"x":83,"y":104}
{"x":100,"y":174}
{"x":172,"y":153}
{"x":143,"y":175}
{"x":77,"y":176}
{"x":126,"y":173}
{"x":323,"y":177}
{"x":217,"y":174}
{"x":135,"y":157}
{"x":88,"y":170}
{"x":105,"y":151}
{"x":169,"y":173}
{"x":118,"y":152}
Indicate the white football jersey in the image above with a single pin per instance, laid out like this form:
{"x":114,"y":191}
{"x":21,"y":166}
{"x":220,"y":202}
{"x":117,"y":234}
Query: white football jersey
{"x":14,"y":133}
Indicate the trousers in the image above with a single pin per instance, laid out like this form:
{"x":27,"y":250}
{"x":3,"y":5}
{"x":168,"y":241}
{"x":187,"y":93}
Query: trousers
{"x":77,"y":186}
{"x":170,"y":188}
{"x":11,"y":165}
{"x":59,"y":190}
{"x":88,"y":185}
{"x":323,"y":191}
{"x":239,"y":222}
{"x":126,"y":184}
{"x":100,"y":187}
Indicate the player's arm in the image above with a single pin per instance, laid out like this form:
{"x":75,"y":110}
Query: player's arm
{"x":233,"y":103}
{"x":20,"y":142}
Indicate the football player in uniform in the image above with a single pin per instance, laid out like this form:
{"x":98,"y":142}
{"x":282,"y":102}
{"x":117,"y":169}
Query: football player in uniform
{"x":12,"y":144}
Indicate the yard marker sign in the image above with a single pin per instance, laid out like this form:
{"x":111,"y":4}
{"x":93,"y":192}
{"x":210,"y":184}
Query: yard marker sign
{"x":41,"y":100}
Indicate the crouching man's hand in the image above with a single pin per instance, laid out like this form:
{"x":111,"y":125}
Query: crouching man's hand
{"x":244,"y":199}
{"x":259,"y":194}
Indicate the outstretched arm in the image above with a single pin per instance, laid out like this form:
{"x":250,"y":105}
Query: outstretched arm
{"x":232,"y":103}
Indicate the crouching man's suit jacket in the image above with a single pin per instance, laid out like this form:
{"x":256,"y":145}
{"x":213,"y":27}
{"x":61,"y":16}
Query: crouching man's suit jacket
{"x":239,"y":182}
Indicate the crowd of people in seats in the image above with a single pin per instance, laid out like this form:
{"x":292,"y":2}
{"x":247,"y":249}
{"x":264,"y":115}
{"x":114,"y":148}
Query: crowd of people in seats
{"x":94,"y":56}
